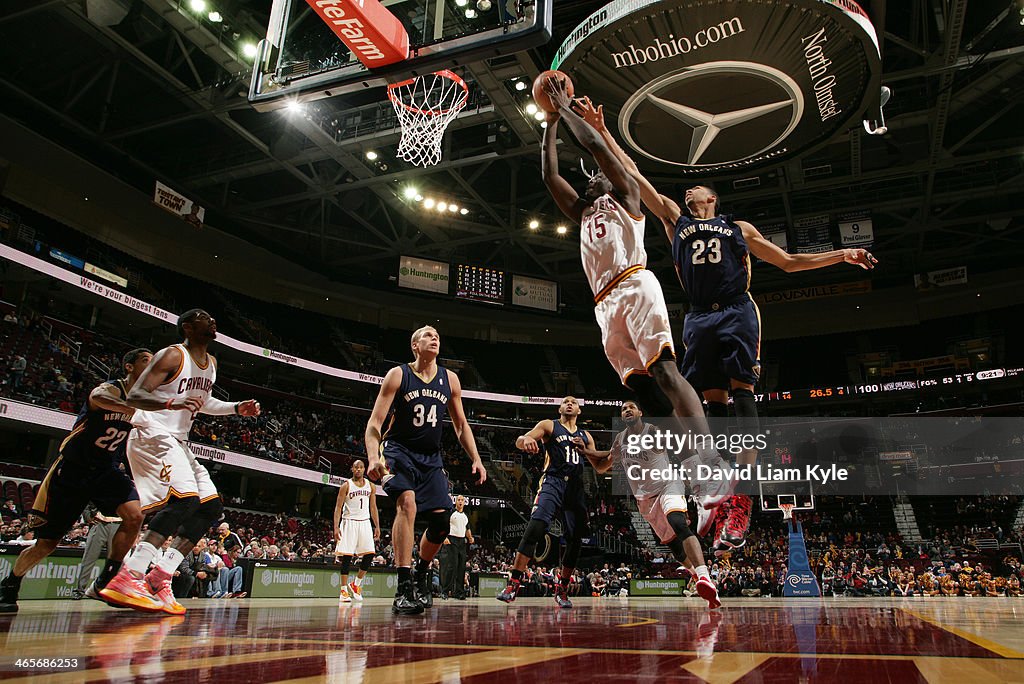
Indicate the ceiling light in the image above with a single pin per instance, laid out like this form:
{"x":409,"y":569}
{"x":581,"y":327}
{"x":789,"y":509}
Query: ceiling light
{"x":531,"y":109}
{"x":409,"y":192}
{"x":520,"y":85}
{"x":534,"y":224}
{"x":371,"y":155}
{"x":249,"y":50}
{"x":463,"y":211}
{"x":453,"y":208}
{"x":295,"y":107}
{"x":461,"y":3}
{"x":543,"y":124}
{"x":483,"y":5}
{"x":419,"y":197}
{"x":562,"y":230}
{"x":215,"y":17}
{"x":198,"y":5}
{"x":539,"y":115}
{"x":471,"y":13}
{"x":428,"y":203}
{"x":441,"y":206}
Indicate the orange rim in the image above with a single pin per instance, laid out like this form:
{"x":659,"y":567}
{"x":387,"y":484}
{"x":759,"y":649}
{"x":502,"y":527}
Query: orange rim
{"x":444,"y":73}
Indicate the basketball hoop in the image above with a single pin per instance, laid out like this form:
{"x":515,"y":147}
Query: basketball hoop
{"x":787,"y":510}
{"x":425,"y":105}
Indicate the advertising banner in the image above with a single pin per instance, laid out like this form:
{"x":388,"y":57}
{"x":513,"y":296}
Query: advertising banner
{"x":423,"y":274}
{"x":534,"y":293}
{"x":657,"y":587}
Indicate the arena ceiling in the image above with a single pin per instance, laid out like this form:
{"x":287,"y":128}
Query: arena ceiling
{"x":142,"y":89}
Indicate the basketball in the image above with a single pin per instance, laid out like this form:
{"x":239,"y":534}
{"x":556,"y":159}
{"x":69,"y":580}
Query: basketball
{"x":541,"y":97}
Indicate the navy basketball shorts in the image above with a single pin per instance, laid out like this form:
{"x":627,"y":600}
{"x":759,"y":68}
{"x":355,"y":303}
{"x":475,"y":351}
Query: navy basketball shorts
{"x":420,"y":473}
{"x":69,"y":486}
{"x":565,"y":500}
{"x":722,"y":345}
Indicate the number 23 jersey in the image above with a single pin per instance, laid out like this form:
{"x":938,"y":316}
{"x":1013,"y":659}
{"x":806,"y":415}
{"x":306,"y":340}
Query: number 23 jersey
{"x":99,"y":434}
{"x":712,"y":259}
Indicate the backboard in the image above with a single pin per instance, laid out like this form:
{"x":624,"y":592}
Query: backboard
{"x":302,"y":60}
{"x":796,"y":492}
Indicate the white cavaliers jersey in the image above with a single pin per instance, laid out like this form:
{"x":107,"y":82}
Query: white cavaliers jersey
{"x":357,"y":503}
{"x":191,"y":380}
{"x":611,"y":241}
{"x":642,"y":485}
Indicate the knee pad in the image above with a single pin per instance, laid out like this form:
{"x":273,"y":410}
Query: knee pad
{"x":365,"y":562}
{"x":534,"y":534}
{"x":199,"y":524}
{"x":746,"y":411}
{"x":649,"y":396}
{"x":346,"y":563}
{"x":572,"y":552}
{"x":677,"y":519}
{"x":438,"y":524}
{"x":676,"y":547}
{"x":168,"y":519}
{"x":717,"y":409}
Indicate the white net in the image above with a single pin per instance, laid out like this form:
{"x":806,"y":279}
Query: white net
{"x":425,"y":105}
{"x":787,"y":511}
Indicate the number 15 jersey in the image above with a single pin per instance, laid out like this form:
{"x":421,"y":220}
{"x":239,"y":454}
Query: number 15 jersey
{"x":418,"y":411}
{"x":611,"y":242}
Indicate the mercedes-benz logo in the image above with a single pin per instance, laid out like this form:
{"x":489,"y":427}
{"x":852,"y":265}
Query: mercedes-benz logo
{"x":703,"y":97}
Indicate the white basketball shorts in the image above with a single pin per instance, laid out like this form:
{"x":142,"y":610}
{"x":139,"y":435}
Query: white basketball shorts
{"x":356,"y":538}
{"x":655,"y":510}
{"x":634,"y":324}
{"x":164,"y":467}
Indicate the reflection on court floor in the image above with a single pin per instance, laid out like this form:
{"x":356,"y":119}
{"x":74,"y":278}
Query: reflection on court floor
{"x":755,"y":640}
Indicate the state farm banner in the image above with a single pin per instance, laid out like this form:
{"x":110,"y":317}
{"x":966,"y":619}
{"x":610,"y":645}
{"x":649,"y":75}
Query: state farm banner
{"x":777,"y":233}
{"x":534,"y":293}
{"x":856,"y":229}
{"x":423,"y":274}
{"x":943,"y":278}
{"x":812,"y":234}
{"x":176,"y":203}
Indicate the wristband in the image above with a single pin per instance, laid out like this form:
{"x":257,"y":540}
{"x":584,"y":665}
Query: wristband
{"x":168,"y":404}
{"x":236,"y":407}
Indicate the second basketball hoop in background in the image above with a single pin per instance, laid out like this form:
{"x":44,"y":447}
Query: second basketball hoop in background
{"x":541,"y":97}
{"x":425,"y":105}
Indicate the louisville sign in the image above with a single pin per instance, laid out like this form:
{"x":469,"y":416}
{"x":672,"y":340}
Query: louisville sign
{"x":711,"y":88}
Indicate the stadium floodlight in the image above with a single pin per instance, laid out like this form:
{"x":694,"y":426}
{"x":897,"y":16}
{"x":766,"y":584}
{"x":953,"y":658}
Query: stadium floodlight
{"x":197,"y":5}
{"x":409,"y":192}
{"x":531,"y":109}
{"x":562,"y":230}
{"x":534,"y":224}
{"x":371,"y":155}
{"x":249,"y":50}
{"x":428,"y":203}
{"x":442,"y":206}
{"x":215,"y":17}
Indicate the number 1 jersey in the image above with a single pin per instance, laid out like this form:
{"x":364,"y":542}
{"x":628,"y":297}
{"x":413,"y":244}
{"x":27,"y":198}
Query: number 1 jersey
{"x":418,"y":411}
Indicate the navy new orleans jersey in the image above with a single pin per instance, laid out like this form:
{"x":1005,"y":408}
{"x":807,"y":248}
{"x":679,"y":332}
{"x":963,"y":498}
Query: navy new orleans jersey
{"x":91,"y":468}
{"x":98,"y":433}
{"x":561,"y":458}
{"x":418,"y":412}
{"x":560,"y":494}
{"x":712,"y":260}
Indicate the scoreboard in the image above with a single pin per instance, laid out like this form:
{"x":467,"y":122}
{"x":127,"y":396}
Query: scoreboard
{"x":480,"y":284}
{"x":888,"y":386}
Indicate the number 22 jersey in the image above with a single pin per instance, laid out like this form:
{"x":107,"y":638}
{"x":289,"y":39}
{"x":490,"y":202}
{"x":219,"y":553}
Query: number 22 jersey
{"x":97,"y":433}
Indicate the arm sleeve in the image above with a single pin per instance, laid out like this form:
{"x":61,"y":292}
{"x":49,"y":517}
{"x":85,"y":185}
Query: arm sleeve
{"x":216,"y":407}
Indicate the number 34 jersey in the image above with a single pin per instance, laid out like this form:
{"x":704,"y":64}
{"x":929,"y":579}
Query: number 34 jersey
{"x":611,"y":243}
{"x":98,"y":433}
{"x":418,"y":411}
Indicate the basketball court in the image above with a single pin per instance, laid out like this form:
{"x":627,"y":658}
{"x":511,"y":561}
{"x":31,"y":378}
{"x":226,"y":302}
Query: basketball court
{"x":608,"y":639}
